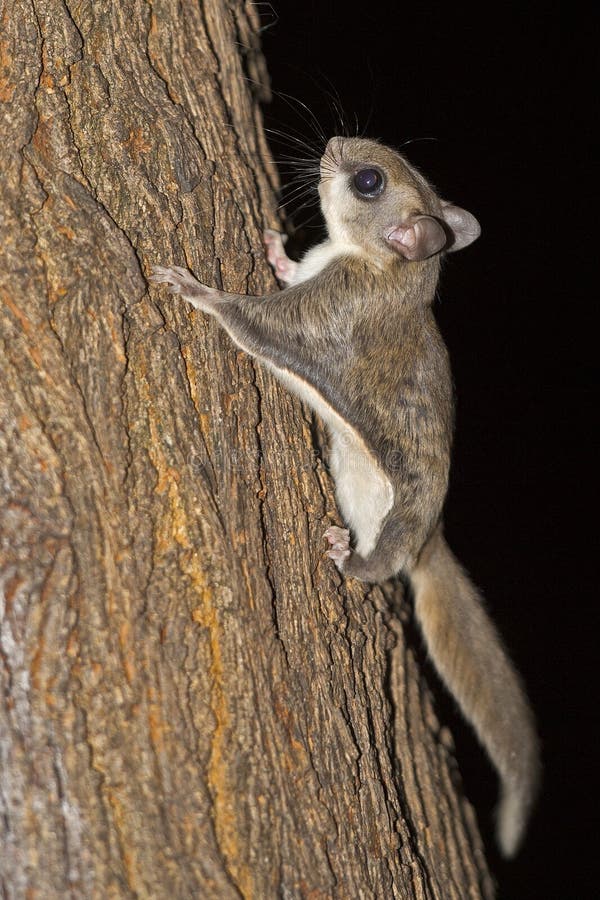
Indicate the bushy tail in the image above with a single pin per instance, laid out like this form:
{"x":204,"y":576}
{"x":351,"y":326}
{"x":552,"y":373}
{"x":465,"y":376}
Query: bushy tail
{"x":468,"y":653}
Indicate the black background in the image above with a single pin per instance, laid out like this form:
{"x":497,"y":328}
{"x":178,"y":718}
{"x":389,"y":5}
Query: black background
{"x":499,"y":93}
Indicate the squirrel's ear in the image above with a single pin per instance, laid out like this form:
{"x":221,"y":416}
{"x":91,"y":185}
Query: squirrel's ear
{"x":463,"y":227}
{"x":418,"y":237}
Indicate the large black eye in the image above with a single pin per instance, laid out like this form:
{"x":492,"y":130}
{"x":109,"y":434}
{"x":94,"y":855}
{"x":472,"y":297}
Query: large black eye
{"x":368,"y":182}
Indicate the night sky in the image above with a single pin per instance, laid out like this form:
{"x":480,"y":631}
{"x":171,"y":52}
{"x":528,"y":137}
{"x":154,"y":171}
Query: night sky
{"x":486,"y":107}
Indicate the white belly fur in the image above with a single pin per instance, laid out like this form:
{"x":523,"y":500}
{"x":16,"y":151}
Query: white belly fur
{"x":315,"y":259}
{"x":363,"y":492}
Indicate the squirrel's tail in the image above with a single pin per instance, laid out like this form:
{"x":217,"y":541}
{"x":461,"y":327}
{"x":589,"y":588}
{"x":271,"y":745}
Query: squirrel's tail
{"x":468,"y":653}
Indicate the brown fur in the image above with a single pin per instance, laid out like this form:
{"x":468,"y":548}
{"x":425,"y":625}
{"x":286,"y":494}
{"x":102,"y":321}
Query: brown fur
{"x":360,"y":333}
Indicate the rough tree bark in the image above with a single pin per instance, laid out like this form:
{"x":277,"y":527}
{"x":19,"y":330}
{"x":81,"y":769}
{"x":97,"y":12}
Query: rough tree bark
{"x":194,"y":704}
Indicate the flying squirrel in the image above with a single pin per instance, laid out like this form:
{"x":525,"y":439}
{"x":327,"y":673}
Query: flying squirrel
{"x":353,"y":335}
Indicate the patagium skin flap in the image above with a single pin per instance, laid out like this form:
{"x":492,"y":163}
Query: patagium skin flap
{"x":353,"y":334}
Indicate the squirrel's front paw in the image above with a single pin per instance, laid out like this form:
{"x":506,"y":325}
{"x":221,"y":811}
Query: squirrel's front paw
{"x":282,"y":265}
{"x":181,"y":281}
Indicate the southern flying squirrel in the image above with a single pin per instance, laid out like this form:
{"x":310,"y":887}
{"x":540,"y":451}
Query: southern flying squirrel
{"x":353,"y":334}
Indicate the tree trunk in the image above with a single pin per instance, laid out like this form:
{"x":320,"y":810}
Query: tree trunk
{"x":194,"y":703}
